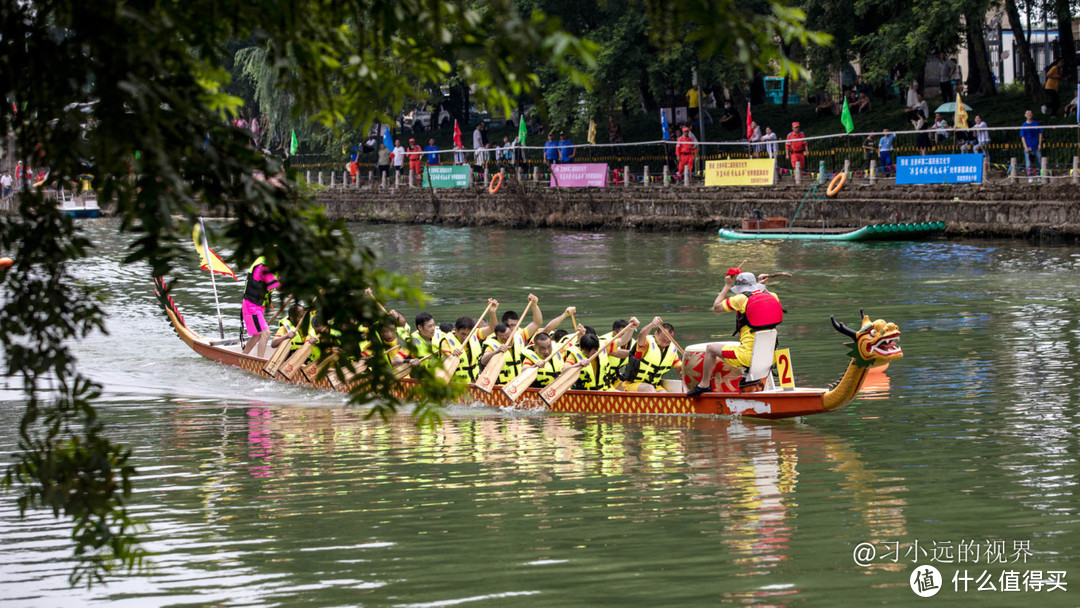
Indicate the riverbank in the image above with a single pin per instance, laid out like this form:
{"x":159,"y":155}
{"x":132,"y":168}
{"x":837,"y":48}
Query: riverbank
{"x":1001,"y":209}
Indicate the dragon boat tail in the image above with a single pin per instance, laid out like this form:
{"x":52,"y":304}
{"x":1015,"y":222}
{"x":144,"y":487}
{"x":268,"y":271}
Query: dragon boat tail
{"x":874,"y":344}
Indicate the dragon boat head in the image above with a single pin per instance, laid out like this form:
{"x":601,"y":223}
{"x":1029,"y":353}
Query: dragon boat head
{"x":876,"y":342}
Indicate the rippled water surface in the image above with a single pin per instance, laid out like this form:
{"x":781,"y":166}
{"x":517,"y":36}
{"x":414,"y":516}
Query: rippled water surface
{"x":963,"y":455}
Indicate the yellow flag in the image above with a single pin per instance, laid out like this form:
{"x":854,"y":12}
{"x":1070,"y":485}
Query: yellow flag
{"x":961,"y":114}
{"x":218,"y":266}
{"x":592,"y":132}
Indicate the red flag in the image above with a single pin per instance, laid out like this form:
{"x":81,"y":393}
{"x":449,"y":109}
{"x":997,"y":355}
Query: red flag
{"x":457,"y":136}
{"x":749,"y":123}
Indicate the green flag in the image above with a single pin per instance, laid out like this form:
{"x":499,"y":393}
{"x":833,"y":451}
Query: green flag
{"x":522,"y":130}
{"x":294,"y":145}
{"x":845,"y":118}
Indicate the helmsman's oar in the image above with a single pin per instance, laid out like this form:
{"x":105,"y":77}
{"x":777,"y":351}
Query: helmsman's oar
{"x":450,"y":363}
{"x":515,"y":388}
{"x":551,"y":393}
{"x":487,"y":378}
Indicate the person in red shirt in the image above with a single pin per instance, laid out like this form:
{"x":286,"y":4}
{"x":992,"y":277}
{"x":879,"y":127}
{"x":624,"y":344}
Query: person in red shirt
{"x":414,"y":156}
{"x":796,"y":146}
{"x":685,"y":151}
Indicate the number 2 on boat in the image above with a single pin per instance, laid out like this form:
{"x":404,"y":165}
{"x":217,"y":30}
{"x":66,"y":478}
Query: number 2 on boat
{"x":782,"y":359}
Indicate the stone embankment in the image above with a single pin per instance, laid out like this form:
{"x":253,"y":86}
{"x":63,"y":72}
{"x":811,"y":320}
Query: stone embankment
{"x":1003,"y":209}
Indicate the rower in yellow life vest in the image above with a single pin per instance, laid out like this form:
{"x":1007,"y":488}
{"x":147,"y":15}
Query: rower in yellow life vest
{"x":287,"y":329}
{"x":424,"y":341}
{"x":618,"y":354}
{"x":468,"y":369}
{"x":755,"y":309}
{"x":657,"y":356}
{"x":500,"y":342}
{"x":595,"y":375}
{"x":543,"y":347}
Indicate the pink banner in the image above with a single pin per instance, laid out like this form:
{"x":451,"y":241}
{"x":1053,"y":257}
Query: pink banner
{"x":583,"y":175}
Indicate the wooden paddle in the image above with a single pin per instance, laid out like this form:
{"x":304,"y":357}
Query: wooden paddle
{"x":551,"y":393}
{"x":402,"y":370}
{"x":282,"y":351}
{"x":672,"y":338}
{"x":487,"y":378}
{"x":292,"y":365}
{"x":516,"y":387}
{"x":450,"y":363}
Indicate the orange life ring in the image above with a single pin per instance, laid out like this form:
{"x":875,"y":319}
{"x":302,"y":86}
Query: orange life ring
{"x":496,"y":183}
{"x":836,"y":184}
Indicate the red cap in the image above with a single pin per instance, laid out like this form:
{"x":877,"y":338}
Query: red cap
{"x":794,"y":125}
{"x":733,"y":272}
{"x":685,"y":128}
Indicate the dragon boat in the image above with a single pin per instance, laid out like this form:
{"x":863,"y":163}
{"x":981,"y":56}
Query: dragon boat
{"x":875,"y":344}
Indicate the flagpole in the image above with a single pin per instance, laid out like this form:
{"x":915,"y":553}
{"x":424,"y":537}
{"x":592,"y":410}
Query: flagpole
{"x":213,"y":282}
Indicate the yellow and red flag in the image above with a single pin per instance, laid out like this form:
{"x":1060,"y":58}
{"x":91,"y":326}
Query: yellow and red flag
{"x":216,"y":265}
{"x":961,"y":114}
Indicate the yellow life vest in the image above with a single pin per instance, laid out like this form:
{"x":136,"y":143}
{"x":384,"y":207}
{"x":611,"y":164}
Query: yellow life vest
{"x":594,"y":375}
{"x":549,"y":371}
{"x":654,"y":364}
{"x":615,"y":364}
{"x":468,"y":365}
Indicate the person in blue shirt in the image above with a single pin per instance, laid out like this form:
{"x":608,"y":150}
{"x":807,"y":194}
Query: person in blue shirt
{"x":885,"y":149}
{"x":1032,"y":139}
{"x":566,"y":149}
{"x":551,"y":150}
{"x":432,"y":153}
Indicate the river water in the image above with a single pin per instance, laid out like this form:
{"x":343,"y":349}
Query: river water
{"x":961,"y":456}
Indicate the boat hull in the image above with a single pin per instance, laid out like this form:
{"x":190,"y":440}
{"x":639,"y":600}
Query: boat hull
{"x":765,"y":404}
{"x":875,"y":232}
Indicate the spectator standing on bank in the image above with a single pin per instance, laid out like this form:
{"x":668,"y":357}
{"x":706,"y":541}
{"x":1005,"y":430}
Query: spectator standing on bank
{"x":5,"y":184}
{"x":941,"y":129}
{"x":566,"y":149}
{"x":551,"y":150}
{"x":1053,"y":79}
{"x":398,"y":157}
{"x":383,"y":161}
{"x":945,"y":78}
{"x":693,"y":102}
{"x":1031,"y":136}
{"x":459,"y":155}
{"x":755,"y":140}
{"x":885,"y":145}
{"x":913,"y":97}
{"x":478,"y":146}
{"x":770,"y":142}
{"x":432,"y":153}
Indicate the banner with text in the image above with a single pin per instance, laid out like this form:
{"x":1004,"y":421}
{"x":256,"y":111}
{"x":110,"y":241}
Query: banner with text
{"x":940,"y":169}
{"x":583,"y":175}
{"x":450,"y":176}
{"x":752,"y":172}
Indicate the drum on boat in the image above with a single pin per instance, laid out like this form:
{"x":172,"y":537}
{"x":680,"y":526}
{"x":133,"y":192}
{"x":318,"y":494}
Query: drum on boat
{"x":725,"y":379}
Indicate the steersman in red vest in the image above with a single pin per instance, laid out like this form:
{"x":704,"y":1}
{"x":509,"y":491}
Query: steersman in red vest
{"x":796,"y":147}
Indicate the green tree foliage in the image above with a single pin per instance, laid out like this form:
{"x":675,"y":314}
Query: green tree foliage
{"x":134,"y":94}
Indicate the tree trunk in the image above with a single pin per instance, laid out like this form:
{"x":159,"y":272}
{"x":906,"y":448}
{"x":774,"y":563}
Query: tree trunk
{"x":648,"y":100}
{"x":980,"y":78}
{"x":1063,"y":12}
{"x":1032,"y":85}
{"x":757,"y":88}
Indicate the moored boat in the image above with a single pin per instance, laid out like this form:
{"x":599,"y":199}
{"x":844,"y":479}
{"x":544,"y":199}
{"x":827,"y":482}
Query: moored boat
{"x":875,"y":343}
{"x":903,"y":231}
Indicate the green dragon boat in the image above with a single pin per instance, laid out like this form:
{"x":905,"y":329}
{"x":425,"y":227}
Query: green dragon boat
{"x":903,"y":231}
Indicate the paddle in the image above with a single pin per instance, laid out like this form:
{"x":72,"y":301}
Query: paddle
{"x":516,"y":387}
{"x":487,"y":378}
{"x":450,"y":363}
{"x":672,"y":338}
{"x":402,"y":370}
{"x":282,"y":351}
{"x":551,"y":393}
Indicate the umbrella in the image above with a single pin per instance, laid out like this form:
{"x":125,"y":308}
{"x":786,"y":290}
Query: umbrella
{"x":949,"y":108}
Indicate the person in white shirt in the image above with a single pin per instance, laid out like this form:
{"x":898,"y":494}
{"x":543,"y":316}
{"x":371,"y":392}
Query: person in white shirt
{"x":478,"y":146}
{"x":770,"y":142}
{"x":982,"y":138}
{"x":459,"y":155}
{"x":941,"y":129}
{"x":399,"y":156}
{"x":5,"y":184}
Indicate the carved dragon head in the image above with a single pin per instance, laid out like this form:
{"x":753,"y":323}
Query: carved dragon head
{"x":876,"y":342}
